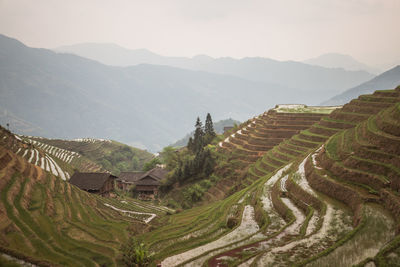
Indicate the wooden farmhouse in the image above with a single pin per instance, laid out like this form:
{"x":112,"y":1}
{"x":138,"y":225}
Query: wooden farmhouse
{"x":128,"y":179}
{"x":146,"y":183}
{"x":98,"y":183}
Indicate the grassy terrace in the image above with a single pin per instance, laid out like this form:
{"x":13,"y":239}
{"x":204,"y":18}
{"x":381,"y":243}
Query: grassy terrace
{"x":191,"y":228}
{"x":362,"y":158}
{"x":47,"y":221}
{"x":50,"y":221}
{"x":336,"y":148}
{"x":346,"y":117}
{"x":258,"y":136}
{"x":95,"y":151}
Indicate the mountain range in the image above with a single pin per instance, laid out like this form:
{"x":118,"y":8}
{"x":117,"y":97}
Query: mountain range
{"x":291,"y":74}
{"x":385,"y":81}
{"x":60,"y":95}
{"x":335,"y":60}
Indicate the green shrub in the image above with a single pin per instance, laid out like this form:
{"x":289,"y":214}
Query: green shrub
{"x":134,"y":253}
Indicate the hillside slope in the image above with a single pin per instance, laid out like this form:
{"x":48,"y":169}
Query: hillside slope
{"x":108,"y":154}
{"x":282,"y":218}
{"x":249,"y":68}
{"x":47,"y":221}
{"x":70,"y":97}
{"x":386,"y":80}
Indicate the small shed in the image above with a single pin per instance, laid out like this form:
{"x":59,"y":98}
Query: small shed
{"x":92,"y":182}
{"x":128,"y":179}
{"x":147,"y":183}
{"x":150,"y":181}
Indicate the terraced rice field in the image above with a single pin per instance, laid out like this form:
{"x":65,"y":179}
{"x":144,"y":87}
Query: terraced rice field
{"x":325,"y":195}
{"x":258,"y":137}
{"x":93,"y":155}
{"x":48,"y":158}
{"x":46,"y":221}
{"x":69,"y":157}
{"x":325,"y":205}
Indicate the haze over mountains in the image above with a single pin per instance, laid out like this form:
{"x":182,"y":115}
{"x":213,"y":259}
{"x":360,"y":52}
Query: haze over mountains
{"x":299,"y":76}
{"x":66,"y":96}
{"x":335,"y":60}
{"x":385,"y":81}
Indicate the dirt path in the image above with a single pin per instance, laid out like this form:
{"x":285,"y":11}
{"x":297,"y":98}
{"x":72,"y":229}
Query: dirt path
{"x":152,"y":215}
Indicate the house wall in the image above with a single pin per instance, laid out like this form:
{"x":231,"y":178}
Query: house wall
{"x":108,"y":186}
{"x":146,"y":188}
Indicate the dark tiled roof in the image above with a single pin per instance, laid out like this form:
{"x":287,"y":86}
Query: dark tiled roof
{"x":148,"y":181}
{"x":90,"y":180}
{"x":152,"y":177}
{"x":130,"y":176}
{"x":156,"y":173}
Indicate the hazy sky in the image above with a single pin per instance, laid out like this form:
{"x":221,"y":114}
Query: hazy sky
{"x":369,"y":30}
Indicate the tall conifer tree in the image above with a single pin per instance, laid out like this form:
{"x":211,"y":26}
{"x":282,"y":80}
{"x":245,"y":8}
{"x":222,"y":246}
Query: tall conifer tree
{"x":209,"y":129}
{"x":198,"y":141}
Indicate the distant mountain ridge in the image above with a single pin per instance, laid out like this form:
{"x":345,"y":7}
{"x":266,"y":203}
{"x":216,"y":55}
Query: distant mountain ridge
{"x":387,"y":80}
{"x":335,"y":60}
{"x":303,"y":77}
{"x":43,"y":93}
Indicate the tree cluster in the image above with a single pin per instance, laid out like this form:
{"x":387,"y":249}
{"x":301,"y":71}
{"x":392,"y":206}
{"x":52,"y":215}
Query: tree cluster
{"x":197,"y":161}
{"x":123,"y":159}
{"x":202,"y":136}
{"x":203,"y":163}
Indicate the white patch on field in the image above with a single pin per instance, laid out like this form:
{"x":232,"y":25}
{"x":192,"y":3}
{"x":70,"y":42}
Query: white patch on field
{"x":243,"y":198}
{"x":298,"y":214}
{"x":313,"y":156}
{"x":271,"y":181}
{"x":42,"y":163}
{"x":19,"y":149}
{"x":25,"y":152}
{"x":226,"y":140}
{"x":32,"y":156}
{"x":283,"y":183}
{"x":37,"y":157}
{"x":17,"y":137}
{"x":313,"y":223}
{"x":152,"y":215}
{"x":266,"y":197}
{"x":247,"y":263}
{"x":18,"y":261}
{"x":247,"y":227}
{"x":47,"y":165}
{"x":152,"y":207}
{"x":52,"y":167}
{"x":59,"y":170}
{"x":302,"y":182}
{"x":220,"y":144}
